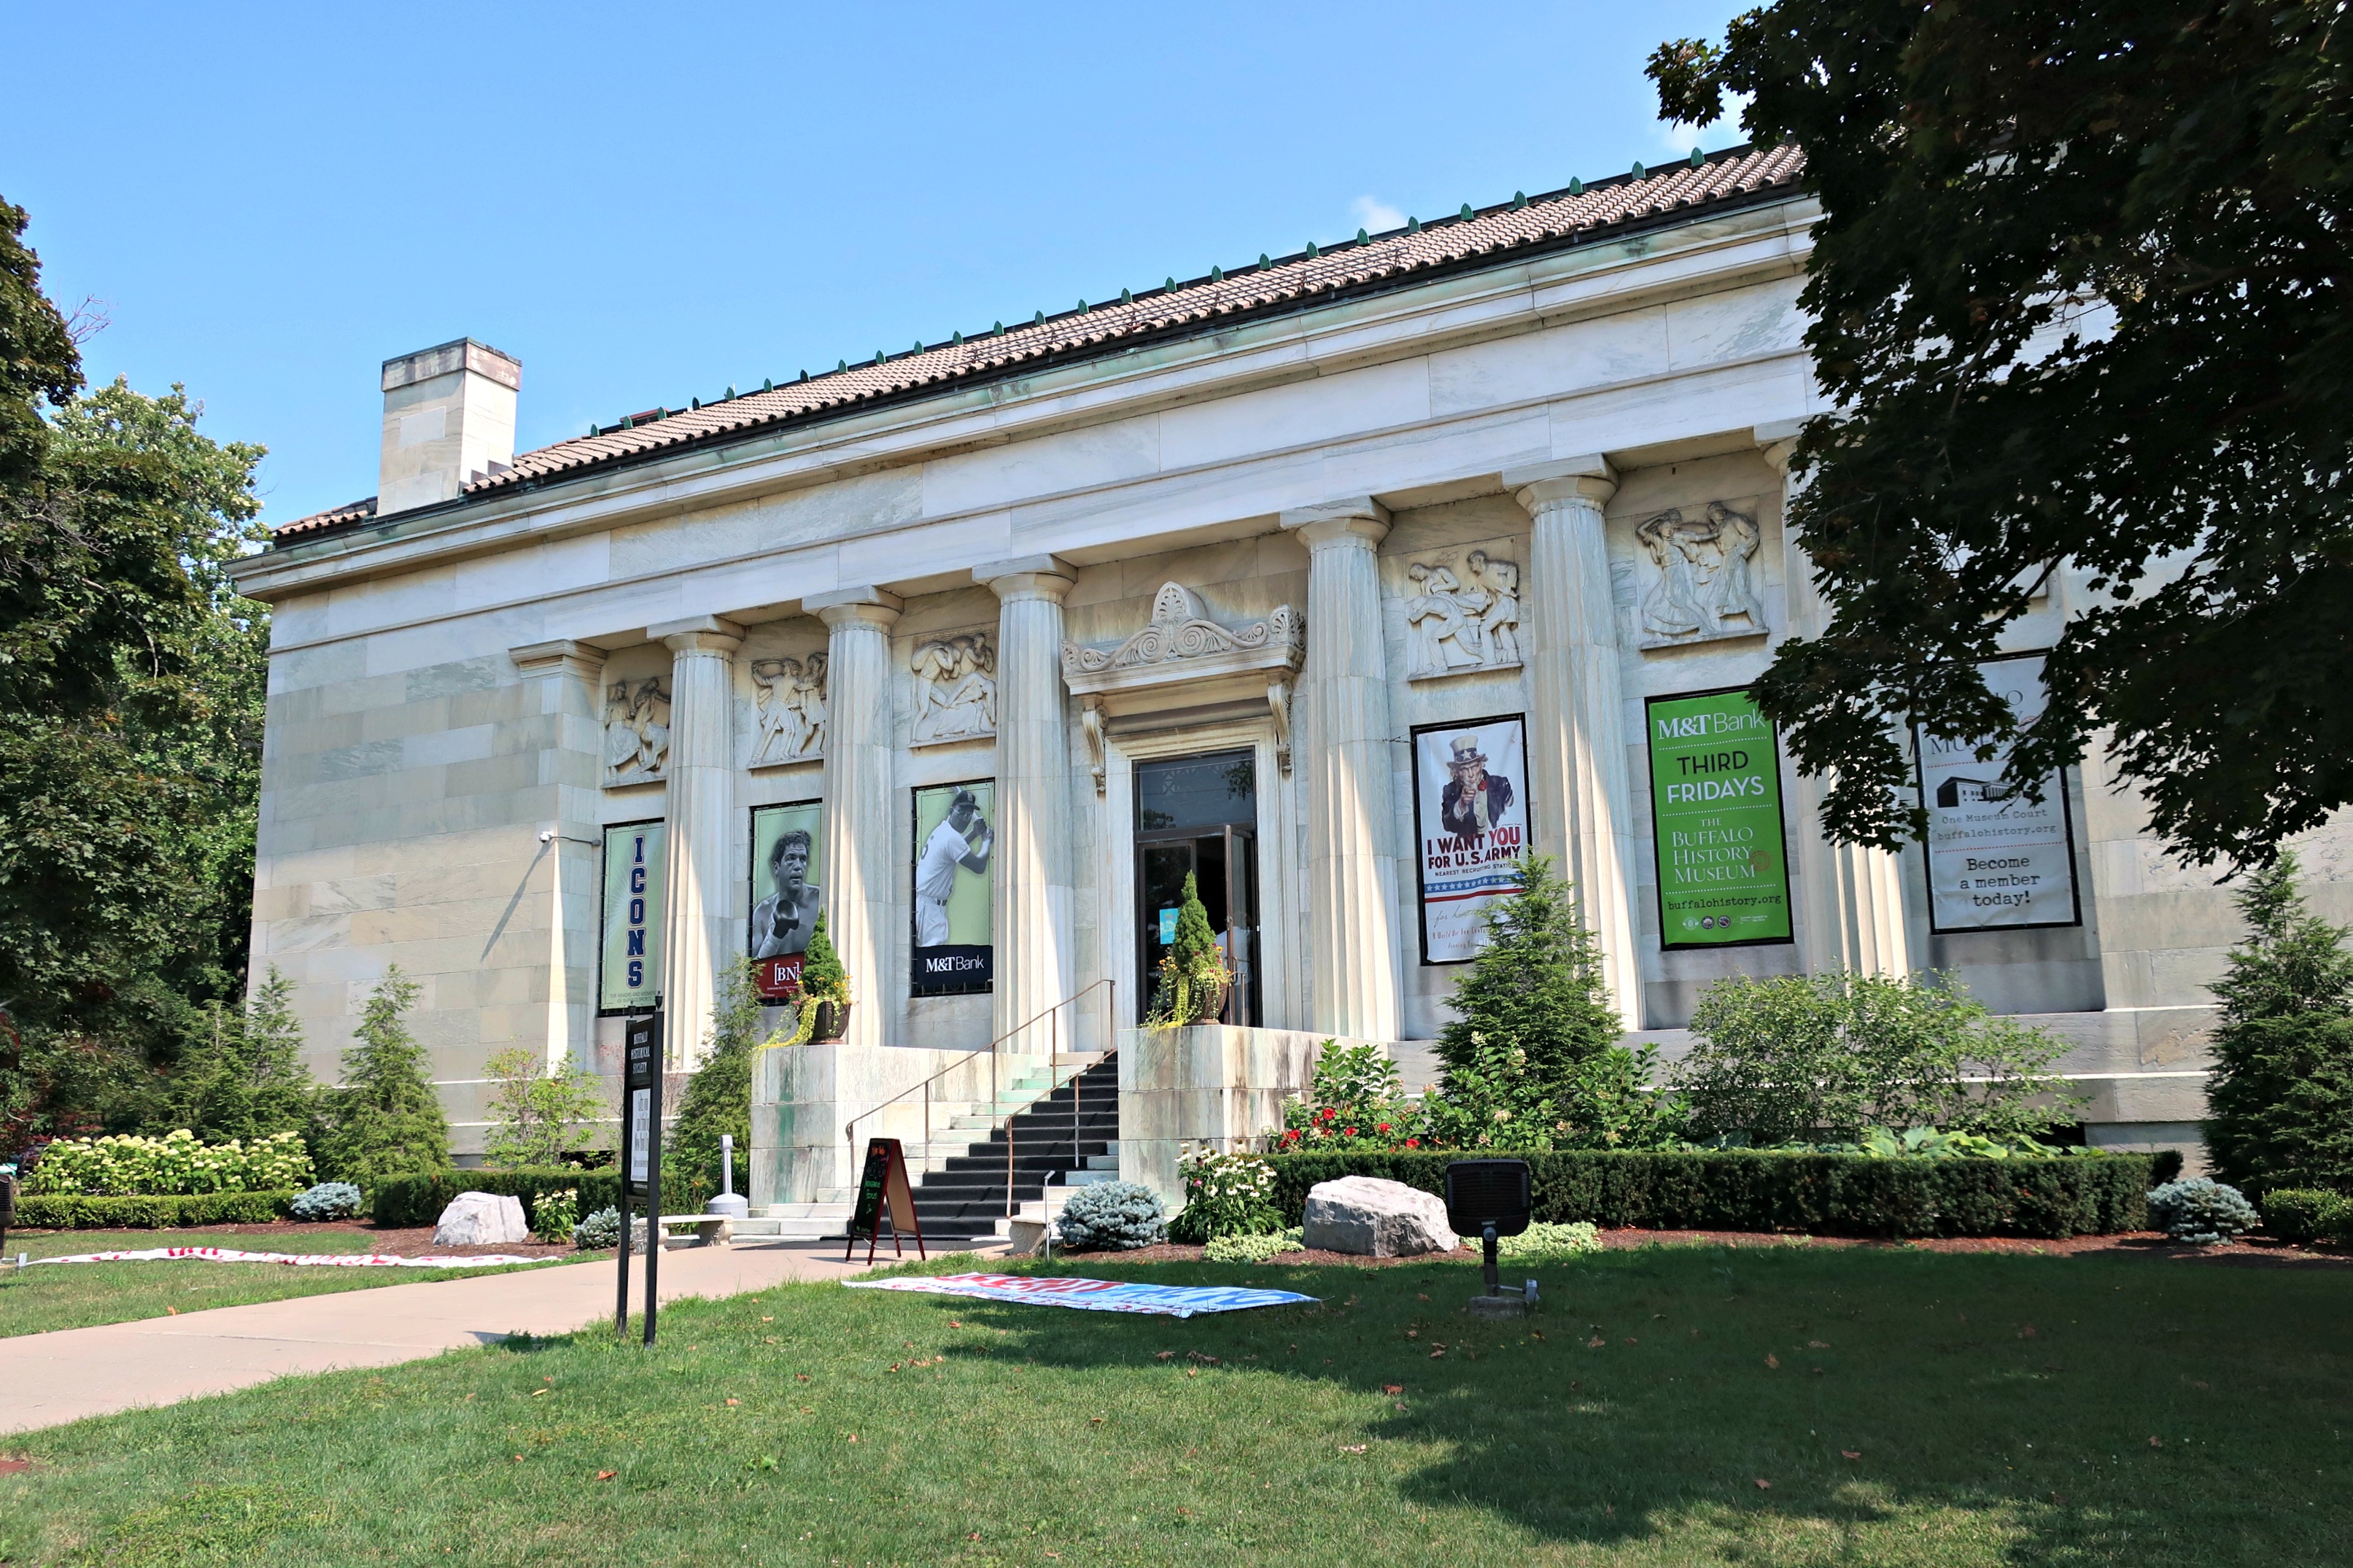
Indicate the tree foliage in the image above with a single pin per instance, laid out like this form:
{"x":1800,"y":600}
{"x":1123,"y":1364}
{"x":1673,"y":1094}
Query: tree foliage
{"x":1193,"y":980}
{"x":246,"y":1077}
{"x":131,"y":681}
{"x":2078,"y":299}
{"x":1802,"y":1058}
{"x":538,"y":1118}
{"x":384,"y":1119}
{"x":2280,"y":1103}
{"x":718,"y":1097}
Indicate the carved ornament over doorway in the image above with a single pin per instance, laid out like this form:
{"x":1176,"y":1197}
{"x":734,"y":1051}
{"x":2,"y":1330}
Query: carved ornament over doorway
{"x":1181,"y":648}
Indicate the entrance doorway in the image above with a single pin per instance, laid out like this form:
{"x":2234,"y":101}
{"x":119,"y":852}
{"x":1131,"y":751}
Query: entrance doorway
{"x":1200,"y":814}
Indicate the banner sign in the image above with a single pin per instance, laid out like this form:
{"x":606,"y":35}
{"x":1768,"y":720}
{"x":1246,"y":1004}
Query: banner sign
{"x":1715,"y":814}
{"x":955,"y":837}
{"x":1470,"y":827}
{"x":294,"y":1259}
{"x":788,"y":891}
{"x":629,"y":969}
{"x":1093,"y":1295}
{"x":1996,"y":860}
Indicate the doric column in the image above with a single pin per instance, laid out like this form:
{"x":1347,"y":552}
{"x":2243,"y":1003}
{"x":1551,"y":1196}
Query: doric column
{"x":1852,"y":915}
{"x":568,"y":675}
{"x":1345,"y":757}
{"x":1031,"y":913}
{"x":858,"y":800}
{"x":701,"y":817}
{"x":1576,"y":728}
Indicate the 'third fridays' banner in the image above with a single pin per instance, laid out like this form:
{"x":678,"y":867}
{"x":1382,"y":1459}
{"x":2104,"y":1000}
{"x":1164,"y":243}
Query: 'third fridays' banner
{"x":1716,"y":806}
{"x":630,"y":972}
{"x":1471,"y":825}
{"x":1996,"y":860}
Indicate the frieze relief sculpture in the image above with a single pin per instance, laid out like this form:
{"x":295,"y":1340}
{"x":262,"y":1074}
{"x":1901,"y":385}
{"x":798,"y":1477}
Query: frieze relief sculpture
{"x":955,"y":690}
{"x":1178,"y":630}
{"x":1706,"y":588}
{"x":789,"y":712}
{"x":637,"y":733}
{"x":1462,"y":624}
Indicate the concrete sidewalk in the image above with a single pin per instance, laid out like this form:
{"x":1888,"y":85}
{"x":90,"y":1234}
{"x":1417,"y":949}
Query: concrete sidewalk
{"x":47,"y":1379}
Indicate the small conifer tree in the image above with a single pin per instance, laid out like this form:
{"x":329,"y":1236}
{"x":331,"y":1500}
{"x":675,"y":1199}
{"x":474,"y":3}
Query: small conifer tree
{"x":2280,"y":1105}
{"x":822,"y":977}
{"x":1536,"y":987}
{"x":718,"y":1097}
{"x":385,"y":1120}
{"x":244,"y":1076}
{"x":1193,"y":979}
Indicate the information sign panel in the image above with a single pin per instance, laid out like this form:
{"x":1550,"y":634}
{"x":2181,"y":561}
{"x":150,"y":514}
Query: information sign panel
{"x":1716,"y":809}
{"x":1996,"y":860}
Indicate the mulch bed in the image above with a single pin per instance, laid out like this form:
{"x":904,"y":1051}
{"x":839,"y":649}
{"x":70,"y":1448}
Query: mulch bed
{"x":2256,"y":1251}
{"x":289,"y":1235}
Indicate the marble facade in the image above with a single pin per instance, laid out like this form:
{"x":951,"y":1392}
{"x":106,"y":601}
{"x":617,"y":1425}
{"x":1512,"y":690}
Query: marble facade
{"x":1550,"y":486}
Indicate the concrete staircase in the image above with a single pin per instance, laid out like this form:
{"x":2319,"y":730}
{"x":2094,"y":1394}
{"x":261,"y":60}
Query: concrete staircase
{"x":960,"y":1191}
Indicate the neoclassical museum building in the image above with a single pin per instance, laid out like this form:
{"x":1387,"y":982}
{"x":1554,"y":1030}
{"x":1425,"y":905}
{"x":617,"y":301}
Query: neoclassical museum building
{"x":1334,"y":580}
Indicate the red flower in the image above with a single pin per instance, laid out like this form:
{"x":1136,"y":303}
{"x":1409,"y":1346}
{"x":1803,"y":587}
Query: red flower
{"x":1349,"y":1132}
{"x":1383,"y":1127}
{"x":1292,"y":1136}
{"x":1413,"y":1143}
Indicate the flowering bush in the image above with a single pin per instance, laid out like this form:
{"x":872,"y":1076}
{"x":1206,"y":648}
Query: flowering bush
{"x":1355,"y":1102}
{"x":1225,"y":1195}
{"x":175,"y":1164}
{"x":554,"y":1215}
{"x":328,"y":1200}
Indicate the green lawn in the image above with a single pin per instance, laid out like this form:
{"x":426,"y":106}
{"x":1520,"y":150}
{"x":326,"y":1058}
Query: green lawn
{"x":83,"y":1295}
{"x":2000,"y":1410}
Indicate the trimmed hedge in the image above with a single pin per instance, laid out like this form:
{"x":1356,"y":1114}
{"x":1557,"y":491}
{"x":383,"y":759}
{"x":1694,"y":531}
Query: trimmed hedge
{"x":1823,"y":1195}
{"x":2308,"y":1214}
{"x":419,"y":1200}
{"x":74,"y":1211}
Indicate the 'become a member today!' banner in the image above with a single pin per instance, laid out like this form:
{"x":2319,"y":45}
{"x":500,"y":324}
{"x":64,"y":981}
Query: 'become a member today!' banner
{"x":1716,"y":804}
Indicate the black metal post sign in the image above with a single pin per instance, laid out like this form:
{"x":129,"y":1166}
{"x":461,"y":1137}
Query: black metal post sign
{"x":641,"y":1110}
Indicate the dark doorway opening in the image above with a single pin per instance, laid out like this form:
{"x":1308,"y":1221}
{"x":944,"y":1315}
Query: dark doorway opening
{"x":1200,"y":814}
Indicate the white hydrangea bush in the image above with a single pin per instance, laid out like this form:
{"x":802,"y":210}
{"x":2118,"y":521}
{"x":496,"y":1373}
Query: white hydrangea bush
{"x":177,"y":1163}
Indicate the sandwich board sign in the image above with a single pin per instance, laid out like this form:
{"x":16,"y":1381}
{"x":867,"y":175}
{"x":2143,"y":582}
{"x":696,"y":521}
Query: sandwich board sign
{"x":883,"y":1190}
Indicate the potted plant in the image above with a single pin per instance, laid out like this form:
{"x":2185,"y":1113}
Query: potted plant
{"x":1194,"y":980}
{"x":825,"y":986}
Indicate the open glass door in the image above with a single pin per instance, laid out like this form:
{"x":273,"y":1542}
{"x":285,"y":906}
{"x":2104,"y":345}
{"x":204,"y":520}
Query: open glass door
{"x":1200,"y":814}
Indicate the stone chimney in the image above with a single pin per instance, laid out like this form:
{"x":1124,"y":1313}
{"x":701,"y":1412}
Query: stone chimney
{"x":448,"y":417}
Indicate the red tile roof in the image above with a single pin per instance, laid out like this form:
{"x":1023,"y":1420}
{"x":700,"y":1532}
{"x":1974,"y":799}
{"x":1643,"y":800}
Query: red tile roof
{"x":1731,"y":178}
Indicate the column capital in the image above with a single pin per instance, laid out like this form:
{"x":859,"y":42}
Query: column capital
{"x":1779,"y":440}
{"x":1028,"y":577}
{"x":561,"y":657}
{"x":1586,"y":479}
{"x":698,"y":633}
{"x":1353,"y":520}
{"x":868,"y":606}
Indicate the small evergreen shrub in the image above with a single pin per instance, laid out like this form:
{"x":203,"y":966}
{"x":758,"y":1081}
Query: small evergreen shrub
{"x":2202,"y":1211}
{"x":2308,"y":1214}
{"x":419,"y":1200}
{"x":328,"y":1200}
{"x":718,"y":1097}
{"x":822,"y":977}
{"x":1254,"y":1248}
{"x":1193,"y":981}
{"x":1113,"y":1217}
{"x":385,"y":1120}
{"x":596,"y":1231}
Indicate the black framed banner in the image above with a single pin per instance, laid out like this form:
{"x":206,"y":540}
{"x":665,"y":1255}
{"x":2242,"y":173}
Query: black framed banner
{"x":1996,"y":860}
{"x":1469,"y":827}
{"x":956,"y":841}
{"x":629,"y":959}
{"x":1715,"y":814}
{"x":788,"y":891}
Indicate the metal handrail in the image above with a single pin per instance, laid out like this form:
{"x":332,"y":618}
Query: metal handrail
{"x":1053,"y":1059}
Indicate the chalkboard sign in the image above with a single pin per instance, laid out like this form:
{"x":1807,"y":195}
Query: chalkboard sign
{"x":883,"y":1188}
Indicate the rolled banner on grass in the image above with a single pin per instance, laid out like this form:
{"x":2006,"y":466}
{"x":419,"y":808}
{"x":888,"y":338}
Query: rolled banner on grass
{"x":292,"y":1260}
{"x":1092,"y":1295}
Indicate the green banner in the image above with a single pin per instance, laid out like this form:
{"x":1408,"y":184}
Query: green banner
{"x":1716,"y":806}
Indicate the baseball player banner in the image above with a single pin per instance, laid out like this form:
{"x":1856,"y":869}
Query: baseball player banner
{"x":955,"y":838}
{"x":1470,"y":827}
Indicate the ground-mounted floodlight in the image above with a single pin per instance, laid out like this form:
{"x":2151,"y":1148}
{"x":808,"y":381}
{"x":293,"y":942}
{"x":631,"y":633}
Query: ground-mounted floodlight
{"x":1491,"y":1199}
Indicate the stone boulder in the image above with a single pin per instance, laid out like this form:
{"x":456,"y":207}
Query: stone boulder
{"x":1375,"y":1218}
{"x":481,"y":1219}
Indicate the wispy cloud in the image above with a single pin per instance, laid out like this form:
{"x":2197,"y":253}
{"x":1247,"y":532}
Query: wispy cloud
{"x":1375,"y":215}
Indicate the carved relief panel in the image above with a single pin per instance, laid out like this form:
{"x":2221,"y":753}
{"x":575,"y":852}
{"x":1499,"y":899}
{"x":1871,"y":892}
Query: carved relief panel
{"x":788,"y":713}
{"x":637,"y":731}
{"x":1703,"y":584}
{"x":1461,"y":615}
{"x":955,"y":690}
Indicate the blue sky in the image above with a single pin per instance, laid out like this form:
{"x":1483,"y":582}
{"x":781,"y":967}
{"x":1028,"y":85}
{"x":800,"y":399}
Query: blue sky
{"x":647,"y":202}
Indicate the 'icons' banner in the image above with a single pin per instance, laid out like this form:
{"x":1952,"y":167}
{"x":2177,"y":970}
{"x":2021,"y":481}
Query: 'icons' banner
{"x":1716,"y":806}
{"x":630,"y":971}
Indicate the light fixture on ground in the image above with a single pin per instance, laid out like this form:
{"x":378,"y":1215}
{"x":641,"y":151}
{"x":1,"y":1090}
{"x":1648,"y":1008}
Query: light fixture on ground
{"x":1490,"y":1199}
